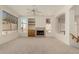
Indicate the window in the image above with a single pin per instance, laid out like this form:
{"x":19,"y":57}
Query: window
{"x":9,"y":23}
{"x":61,"y":24}
{"x":24,"y":24}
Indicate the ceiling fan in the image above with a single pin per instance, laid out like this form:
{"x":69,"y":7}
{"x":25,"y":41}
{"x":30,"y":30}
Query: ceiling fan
{"x":34,"y":11}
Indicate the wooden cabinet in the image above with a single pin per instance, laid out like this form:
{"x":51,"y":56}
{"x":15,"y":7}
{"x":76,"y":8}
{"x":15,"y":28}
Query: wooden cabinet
{"x":31,"y":33}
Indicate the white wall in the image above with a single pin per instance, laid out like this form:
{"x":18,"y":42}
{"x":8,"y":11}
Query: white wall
{"x":67,"y":27}
{"x":77,"y":21}
{"x":59,"y":36}
{"x":40,"y":21}
{"x":8,"y":37}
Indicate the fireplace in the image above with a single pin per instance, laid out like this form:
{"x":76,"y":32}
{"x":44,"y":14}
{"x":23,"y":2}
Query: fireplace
{"x":40,"y":32}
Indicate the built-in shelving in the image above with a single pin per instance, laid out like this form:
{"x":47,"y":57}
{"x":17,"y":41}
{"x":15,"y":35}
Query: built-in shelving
{"x":31,"y":27}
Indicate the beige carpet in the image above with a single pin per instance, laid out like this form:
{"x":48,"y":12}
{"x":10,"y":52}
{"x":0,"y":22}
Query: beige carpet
{"x":36,"y":46}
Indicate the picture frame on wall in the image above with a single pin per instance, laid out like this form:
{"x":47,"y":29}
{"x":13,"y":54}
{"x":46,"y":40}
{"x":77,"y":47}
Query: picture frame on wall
{"x":48,"y":20}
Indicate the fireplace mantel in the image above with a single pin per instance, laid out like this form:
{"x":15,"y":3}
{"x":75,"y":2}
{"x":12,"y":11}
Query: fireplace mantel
{"x":40,"y":28}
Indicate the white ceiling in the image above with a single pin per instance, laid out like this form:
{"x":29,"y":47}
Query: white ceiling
{"x":47,"y":10}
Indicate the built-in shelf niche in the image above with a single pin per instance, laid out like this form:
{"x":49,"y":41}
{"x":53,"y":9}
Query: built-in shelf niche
{"x":31,"y":21}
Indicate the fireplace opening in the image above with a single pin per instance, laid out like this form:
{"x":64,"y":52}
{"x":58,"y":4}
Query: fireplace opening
{"x":40,"y":32}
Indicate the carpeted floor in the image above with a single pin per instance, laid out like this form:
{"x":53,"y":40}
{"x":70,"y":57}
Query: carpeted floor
{"x":36,"y":46}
